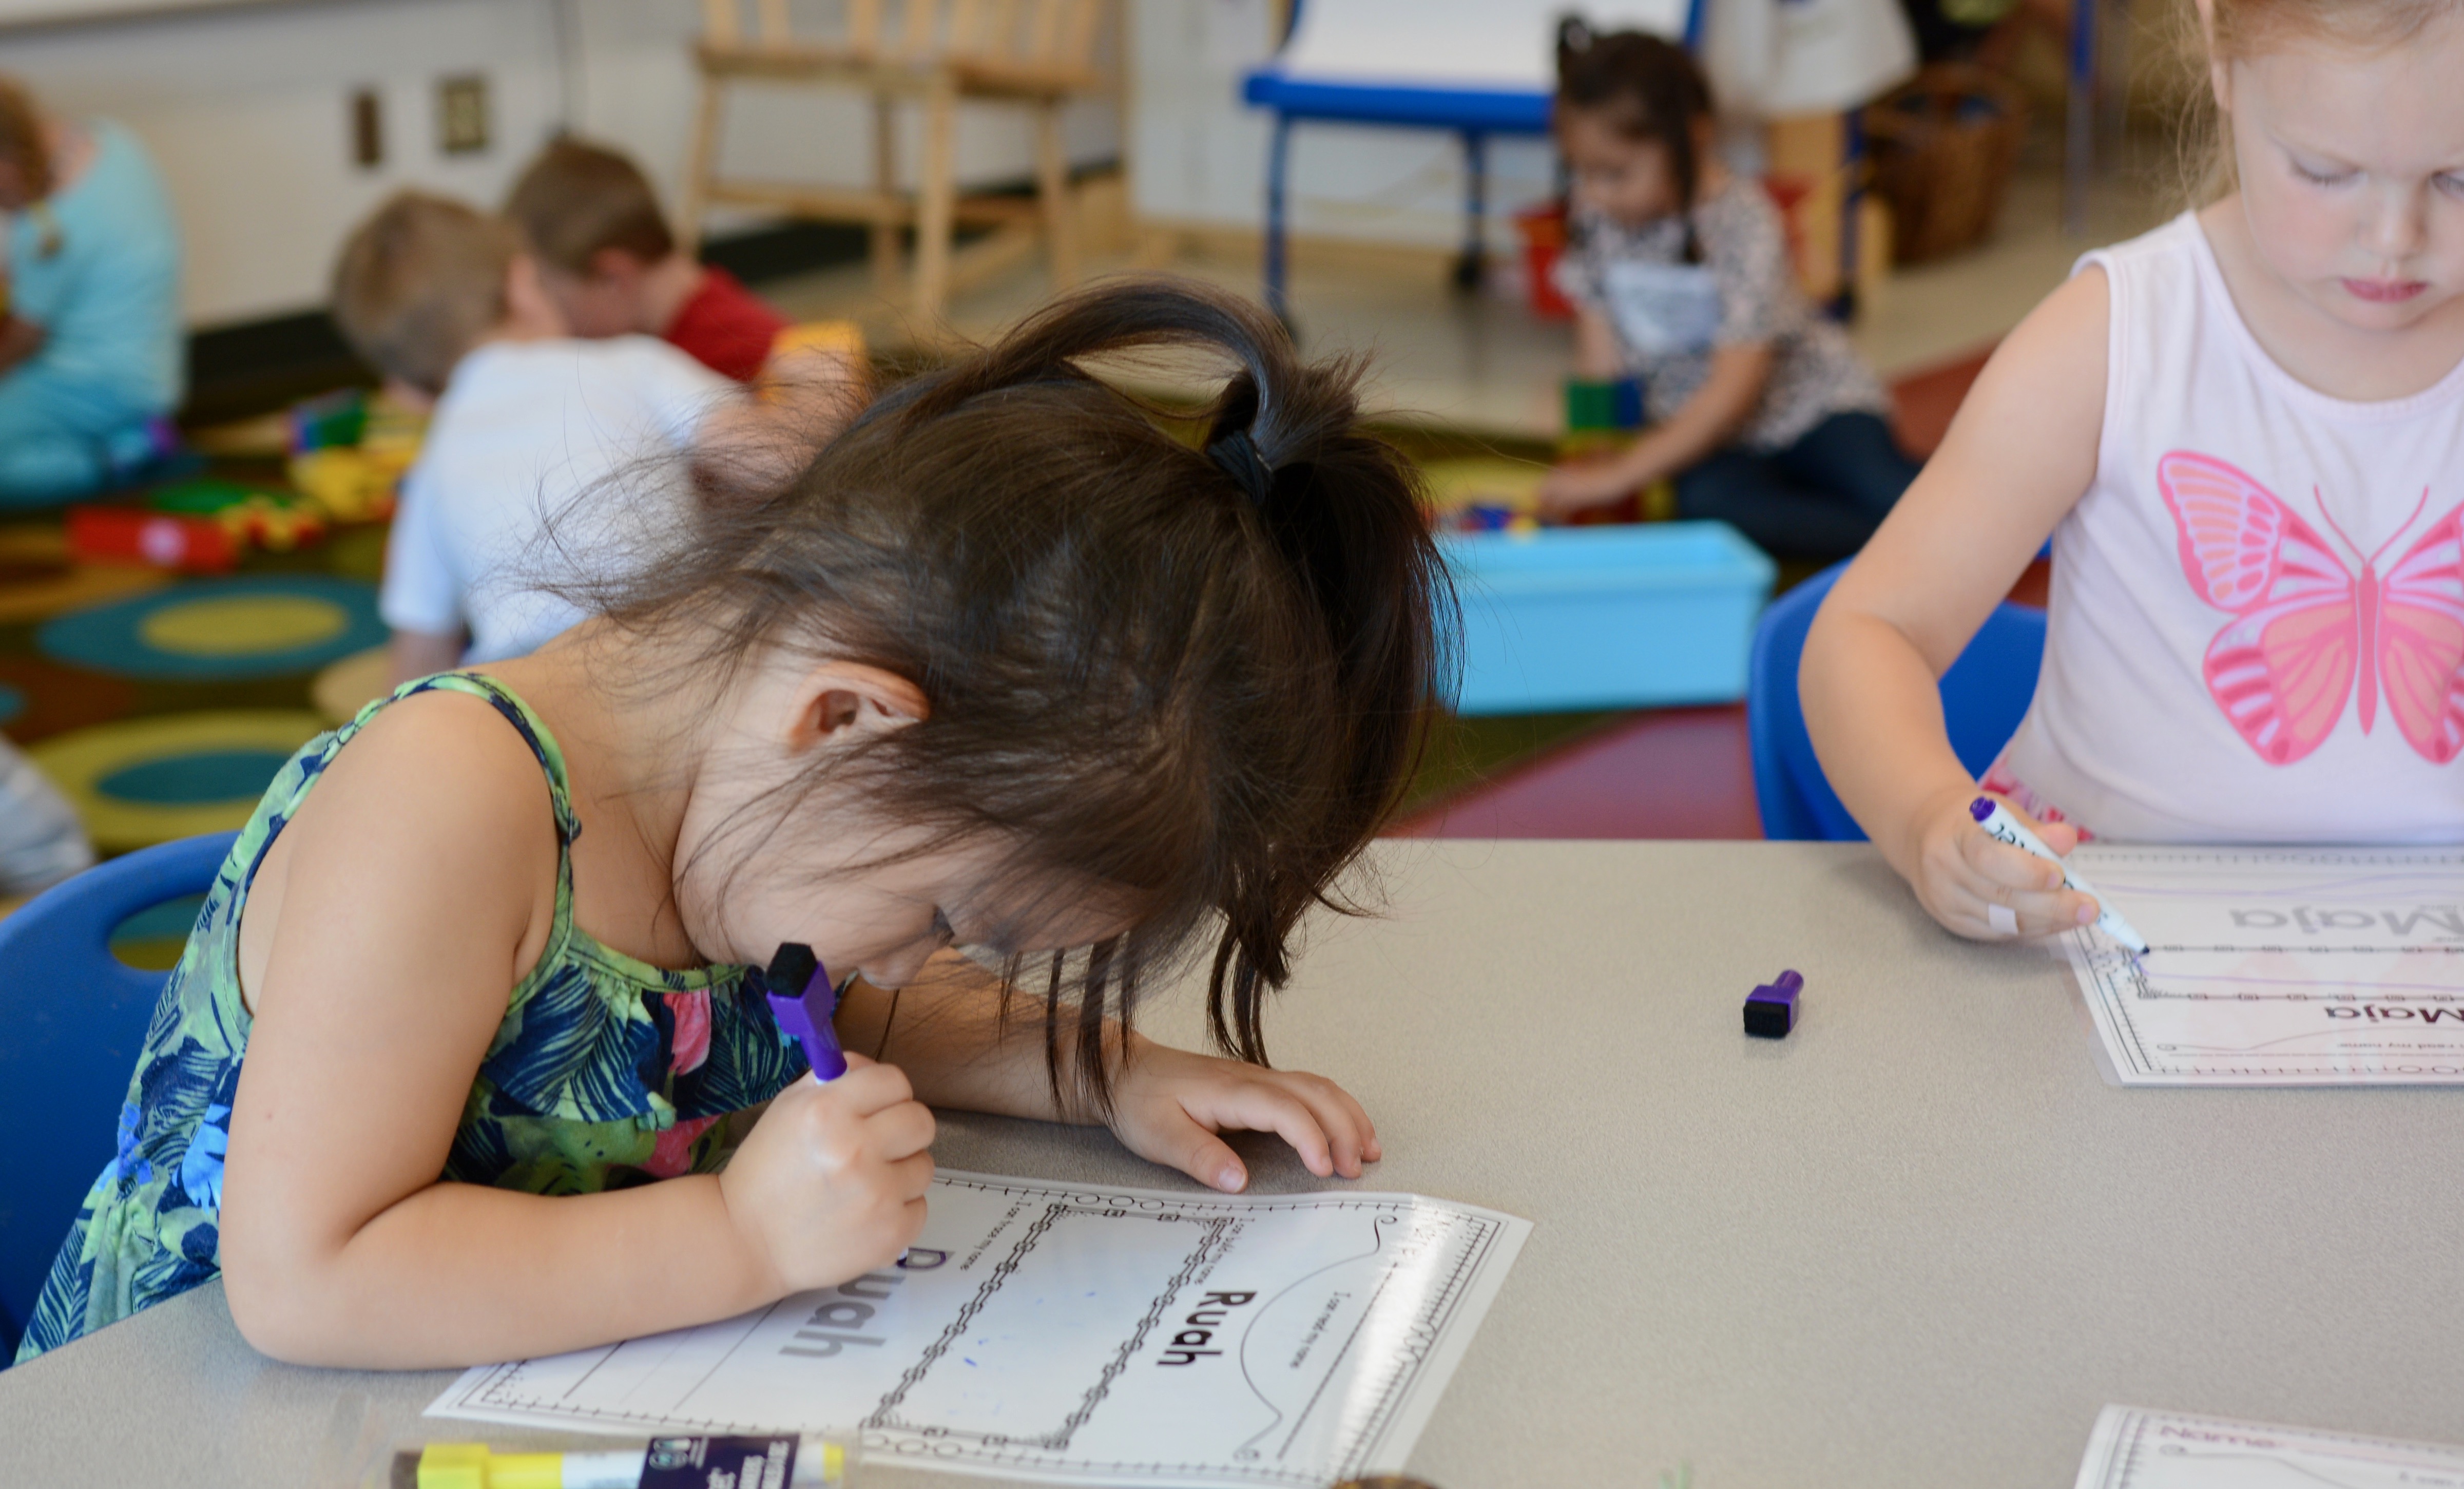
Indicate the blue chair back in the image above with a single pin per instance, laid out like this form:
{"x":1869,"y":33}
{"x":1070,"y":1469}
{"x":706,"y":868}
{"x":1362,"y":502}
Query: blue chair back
{"x":75,"y":1016}
{"x":1984,"y":696}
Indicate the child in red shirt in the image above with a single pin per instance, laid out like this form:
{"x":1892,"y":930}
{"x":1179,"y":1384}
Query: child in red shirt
{"x":608,"y":261}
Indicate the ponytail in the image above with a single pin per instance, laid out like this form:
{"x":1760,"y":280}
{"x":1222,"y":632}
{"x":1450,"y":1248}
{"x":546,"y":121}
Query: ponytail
{"x":1196,"y":678}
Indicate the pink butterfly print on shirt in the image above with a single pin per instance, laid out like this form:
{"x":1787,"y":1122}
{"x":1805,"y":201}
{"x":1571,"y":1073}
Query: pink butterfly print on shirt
{"x":2303,"y":626}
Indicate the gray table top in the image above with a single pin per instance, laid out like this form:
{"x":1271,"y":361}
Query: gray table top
{"x":1917,"y":1242}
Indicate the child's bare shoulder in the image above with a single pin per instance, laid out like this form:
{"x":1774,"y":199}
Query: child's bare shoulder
{"x":445,"y":775}
{"x":2055,"y":362}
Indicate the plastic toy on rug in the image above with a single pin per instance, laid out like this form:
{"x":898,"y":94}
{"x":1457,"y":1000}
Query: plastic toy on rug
{"x":1602,"y":417}
{"x":194,"y":526}
{"x":349,"y":450}
{"x":1483,"y":494}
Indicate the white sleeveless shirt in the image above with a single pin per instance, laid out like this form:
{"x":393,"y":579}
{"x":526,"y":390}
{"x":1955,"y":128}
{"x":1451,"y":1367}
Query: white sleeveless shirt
{"x":2257,"y":619}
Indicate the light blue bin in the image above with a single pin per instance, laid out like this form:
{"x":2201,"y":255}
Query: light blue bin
{"x":1638,"y":616}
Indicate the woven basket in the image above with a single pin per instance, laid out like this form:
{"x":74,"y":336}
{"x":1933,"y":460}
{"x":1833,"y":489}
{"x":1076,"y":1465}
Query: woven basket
{"x":1942,"y":148}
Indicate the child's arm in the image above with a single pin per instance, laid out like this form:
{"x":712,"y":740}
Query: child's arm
{"x":1702,"y":425}
{"x":1595,"y":347}
{"x":1168,"y":1104}
{"x":752,"y":445}
{"x":2018,"y":456}
{"x":416,"y":654}
{"x":408,"y":897}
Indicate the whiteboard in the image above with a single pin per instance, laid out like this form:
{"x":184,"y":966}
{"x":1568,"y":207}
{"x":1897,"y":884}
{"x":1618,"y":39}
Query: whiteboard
{"x":1508,"y":45}
{"x":1770,"y":57}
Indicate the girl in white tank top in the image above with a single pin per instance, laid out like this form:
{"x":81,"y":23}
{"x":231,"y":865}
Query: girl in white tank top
{"x":2257,"y":608}
{"x":2245,"y":432}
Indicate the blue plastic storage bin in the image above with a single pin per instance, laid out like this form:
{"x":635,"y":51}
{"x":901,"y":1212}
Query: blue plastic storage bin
{"x":1606,"y":617}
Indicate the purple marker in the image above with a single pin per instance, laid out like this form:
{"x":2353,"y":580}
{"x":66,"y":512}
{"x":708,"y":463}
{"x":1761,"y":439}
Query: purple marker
{"x":806,"y":1014}
{"x":1771,"y":1010}
{"x":2002,"y":828}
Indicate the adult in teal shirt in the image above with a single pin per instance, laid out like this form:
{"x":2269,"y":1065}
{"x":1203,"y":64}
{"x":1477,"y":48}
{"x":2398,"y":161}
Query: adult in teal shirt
{"x":90,"y":346}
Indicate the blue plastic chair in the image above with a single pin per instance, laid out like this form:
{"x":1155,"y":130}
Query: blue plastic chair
{"x":1984,"y":696}
{"x":75,"y":1017}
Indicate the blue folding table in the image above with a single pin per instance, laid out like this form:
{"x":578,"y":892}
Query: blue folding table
{"x":1473,"y":113}
{"x":1477,"y":113}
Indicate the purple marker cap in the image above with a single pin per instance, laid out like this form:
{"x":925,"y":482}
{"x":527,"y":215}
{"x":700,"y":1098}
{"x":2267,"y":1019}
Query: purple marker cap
{"x":806,"y":1014}
{"x":1981,"y":808}
{"x":1771,"y":1010}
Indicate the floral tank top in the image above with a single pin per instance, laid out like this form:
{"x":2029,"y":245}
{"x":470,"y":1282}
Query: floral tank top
{"x":606,"y":1072}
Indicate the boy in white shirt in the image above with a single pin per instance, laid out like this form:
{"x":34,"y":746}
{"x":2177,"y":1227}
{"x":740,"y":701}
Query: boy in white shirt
{"x":549,"y":458}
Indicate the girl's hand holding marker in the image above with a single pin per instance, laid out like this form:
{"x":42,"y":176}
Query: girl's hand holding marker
{"x":2001,"y":824}
{"x":1986,"y":870}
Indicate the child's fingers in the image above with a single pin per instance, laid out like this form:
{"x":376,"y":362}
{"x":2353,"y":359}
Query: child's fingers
{"x":901,"y":1131}
{"x":1211,"y":1161}
{"x":1163,"y":1131}
{"x":1261,"y":1106}
{"x":868,"y":1088}
{"x":1351,"y":1140}
{"x":911,"y":1178}
{"x":2025,"y":887}
{"x":1998,"y":863}
{"x":1992,"y":907}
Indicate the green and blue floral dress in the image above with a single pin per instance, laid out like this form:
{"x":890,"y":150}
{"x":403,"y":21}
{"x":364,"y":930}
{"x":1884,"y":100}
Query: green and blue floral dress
{"x":606,"y":1072}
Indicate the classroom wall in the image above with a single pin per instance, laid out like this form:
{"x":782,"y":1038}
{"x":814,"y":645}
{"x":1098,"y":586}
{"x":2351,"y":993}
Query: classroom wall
{"x":1199,"y":155}
{"x":247,"y":111}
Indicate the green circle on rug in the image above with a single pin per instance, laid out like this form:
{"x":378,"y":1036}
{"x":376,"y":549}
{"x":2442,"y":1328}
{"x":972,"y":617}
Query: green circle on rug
{"x":147,"y":781}
{"x":223,"y":630}
{"x":203,"y":776}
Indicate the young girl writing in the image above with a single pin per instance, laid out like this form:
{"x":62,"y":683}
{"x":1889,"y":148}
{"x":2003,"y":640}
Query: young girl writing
{"x":1680,"y":274}
{"x":1007,"y":668}
{"x":2245,"y":432}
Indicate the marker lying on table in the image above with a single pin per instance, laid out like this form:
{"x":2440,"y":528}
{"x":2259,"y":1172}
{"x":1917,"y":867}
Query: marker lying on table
{"x":804,"y":1001}
{"x":2002,"y":827}
{"x":1771,"y":1010}
{"x":808,"y":1462}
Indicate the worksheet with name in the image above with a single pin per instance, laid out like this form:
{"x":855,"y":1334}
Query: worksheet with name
{"x":2278,"y":966}
{"x":1112,"y":1336}
{"x":2137,"y":1448}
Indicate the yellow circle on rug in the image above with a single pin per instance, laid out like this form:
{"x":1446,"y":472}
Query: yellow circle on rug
{"x":145,"y":781}
{"x":242,"y":625}
{"x":347,"y":686}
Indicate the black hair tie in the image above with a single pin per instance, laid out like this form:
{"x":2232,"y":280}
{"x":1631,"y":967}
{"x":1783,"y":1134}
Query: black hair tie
{"x":1236,"y":454}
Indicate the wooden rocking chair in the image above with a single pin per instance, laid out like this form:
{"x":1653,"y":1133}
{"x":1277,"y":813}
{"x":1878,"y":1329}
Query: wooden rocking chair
{"x":1035,"y":53}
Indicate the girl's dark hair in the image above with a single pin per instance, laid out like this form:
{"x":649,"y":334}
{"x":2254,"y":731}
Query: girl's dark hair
{"x":1644,"y":87}
{"x":1200,"y":678}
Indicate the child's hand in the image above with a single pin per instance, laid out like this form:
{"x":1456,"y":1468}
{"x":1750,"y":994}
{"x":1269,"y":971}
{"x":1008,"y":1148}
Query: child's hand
{"x":1170,"y":1104}
{"x":830,"y":1183}
{"x":1989,"y":890}
{"x":1583,"y":483}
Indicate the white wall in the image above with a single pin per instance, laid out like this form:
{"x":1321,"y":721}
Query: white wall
{"x":1199,"y":155}
{"x":247,"y":111}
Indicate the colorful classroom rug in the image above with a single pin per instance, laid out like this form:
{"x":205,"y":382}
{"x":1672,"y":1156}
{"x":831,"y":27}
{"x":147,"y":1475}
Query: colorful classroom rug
{"x":162,"y":704}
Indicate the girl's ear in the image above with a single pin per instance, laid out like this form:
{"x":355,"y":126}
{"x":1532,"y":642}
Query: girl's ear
{"x":842,"y":703}
{"x":2219,"y":74}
